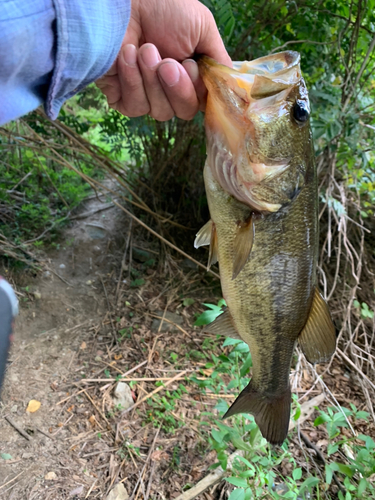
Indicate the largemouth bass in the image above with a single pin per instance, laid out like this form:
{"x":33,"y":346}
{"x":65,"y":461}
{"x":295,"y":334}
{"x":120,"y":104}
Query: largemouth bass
{"x":261,"y":185}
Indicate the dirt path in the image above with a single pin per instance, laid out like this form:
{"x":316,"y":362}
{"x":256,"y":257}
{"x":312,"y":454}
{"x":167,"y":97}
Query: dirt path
{"x":56,"y":312}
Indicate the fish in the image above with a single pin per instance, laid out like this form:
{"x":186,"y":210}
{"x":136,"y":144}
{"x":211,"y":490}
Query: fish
{"x":261,"y":186}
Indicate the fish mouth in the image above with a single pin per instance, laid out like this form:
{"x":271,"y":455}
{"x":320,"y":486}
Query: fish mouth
{"x":240,"y":100}
{"x":256,"y":79}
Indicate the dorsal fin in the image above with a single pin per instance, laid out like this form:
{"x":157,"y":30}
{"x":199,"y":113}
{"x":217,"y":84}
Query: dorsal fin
{"x":243,"y":244}
{"x":318,"y":337}
{"x":223,"y":325}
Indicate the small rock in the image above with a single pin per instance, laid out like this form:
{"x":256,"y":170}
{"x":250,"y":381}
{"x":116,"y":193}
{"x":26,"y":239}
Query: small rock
{"x":167,"y":326}
{"x":62,"y":266}
{"x":28,"y":455}
{"x":46,"y":274}
{"x":50,"y":476}
{"x":98,"y":358}
{"x":96,"y":231}
{"x":118,"y":493}
{"x":122,"y":395}
{"x":37,"y":295}
{"x":89,"y":282}
{"x":77,"y":491}
{"x":14,"y":409}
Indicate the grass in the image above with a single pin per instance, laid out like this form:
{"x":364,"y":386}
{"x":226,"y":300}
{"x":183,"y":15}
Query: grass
{"x":256,"y":473}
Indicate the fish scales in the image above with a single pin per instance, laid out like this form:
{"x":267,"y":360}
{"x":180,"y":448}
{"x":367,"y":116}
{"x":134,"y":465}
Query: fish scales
{"x":261,"y":187}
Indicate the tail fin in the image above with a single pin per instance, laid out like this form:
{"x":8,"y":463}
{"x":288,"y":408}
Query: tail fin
{"x":272,"y":413}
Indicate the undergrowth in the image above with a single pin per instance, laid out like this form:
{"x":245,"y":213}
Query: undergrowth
{"x":253,"y":470}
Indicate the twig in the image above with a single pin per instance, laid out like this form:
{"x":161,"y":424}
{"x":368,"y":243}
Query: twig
{"x":44,"y":433}
{"x":150,"y":480}
{"x":91,"y":212}
{"x":123,"y":262}
{"x":340,"y":353}
{"x":11,"y":481}
{"x":319,"y":454}
{"x":178,"y":376}
{"x":145,"y":465}
{"x":141,"y":223}
{"x":18,"y":429}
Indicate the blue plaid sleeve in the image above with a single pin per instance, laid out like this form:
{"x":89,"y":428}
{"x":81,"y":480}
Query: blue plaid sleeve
{"x":50,"y":49}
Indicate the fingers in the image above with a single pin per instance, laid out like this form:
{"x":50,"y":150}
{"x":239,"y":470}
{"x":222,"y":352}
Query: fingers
{"x":210,"y":42}
{"x":149,"y":59}
{"x":148,"y":85}
{"x":179,"y":89}
{"x":191,"y":67}
{"x":132,"y":100}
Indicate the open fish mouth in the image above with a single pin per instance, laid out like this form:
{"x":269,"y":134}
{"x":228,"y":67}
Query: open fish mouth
{"x":249,"y":110}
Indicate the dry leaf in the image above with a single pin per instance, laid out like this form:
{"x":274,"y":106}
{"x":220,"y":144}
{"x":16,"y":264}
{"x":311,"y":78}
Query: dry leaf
{"x":50,"y":476}
{"x":33,"y":406}
{"x":92,"y":420}
{"x":70,"y":408}
{"x":159,"y":455}
{"x":83,"y":345}
{"x":117,"y":356}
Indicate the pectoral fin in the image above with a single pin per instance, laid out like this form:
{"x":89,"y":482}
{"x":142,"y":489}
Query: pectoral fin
{"x":318,"y":337}
{"x":271,"y":413}
{"x":223,"y":326}
{"x":207,"y":236}
{"x":203,"y":236}
{"x":243,"y":244}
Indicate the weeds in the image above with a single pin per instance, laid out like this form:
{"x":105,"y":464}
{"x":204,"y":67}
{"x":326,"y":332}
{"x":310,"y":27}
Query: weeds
{"x":255,"y":471}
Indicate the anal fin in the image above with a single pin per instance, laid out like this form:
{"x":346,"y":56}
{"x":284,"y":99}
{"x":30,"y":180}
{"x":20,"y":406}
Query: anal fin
{"x":243,"y":244}
{"x":223,"y":326}
{"x":318,"y":337}
{"x":271,"y":413}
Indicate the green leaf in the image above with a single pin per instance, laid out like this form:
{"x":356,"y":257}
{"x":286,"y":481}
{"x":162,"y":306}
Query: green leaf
{"x":363,"y":484}
{"x":309,"y":483}
{"x":230,"y":341}
{"x":322,"y":419}
{"x":188,"y":302}
{"x":332,"y":448}
{"x":297,"y":474}
{"x":344,"y":469}
{"x":238,"y":494}
{"x":221,"y":406}
{"x":237,"y":481}
{"x":6,"y":456}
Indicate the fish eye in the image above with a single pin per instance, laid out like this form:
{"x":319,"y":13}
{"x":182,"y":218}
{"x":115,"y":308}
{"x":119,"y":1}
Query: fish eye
{"x":301,"y":111}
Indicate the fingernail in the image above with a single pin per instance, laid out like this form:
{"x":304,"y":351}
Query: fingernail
{"x":150,"y":56}
{"x":130,"y":55}
{"x":192,"y":69}
{"x":169,"y":73}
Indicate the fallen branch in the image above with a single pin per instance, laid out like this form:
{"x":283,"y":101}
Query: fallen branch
{"x":18,"y":429}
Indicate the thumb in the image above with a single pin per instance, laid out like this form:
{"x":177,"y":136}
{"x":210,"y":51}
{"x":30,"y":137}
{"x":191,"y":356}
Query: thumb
{"x":210,"y":42}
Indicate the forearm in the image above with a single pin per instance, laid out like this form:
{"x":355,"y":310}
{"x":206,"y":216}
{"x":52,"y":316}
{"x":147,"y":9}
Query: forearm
{"x":50,"y":49}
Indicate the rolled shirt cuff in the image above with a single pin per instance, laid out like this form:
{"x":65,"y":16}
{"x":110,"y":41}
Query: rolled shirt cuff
{"x":89,"y":37}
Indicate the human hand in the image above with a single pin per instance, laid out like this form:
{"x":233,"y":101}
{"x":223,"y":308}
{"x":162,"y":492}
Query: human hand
{"x":153,"y":73}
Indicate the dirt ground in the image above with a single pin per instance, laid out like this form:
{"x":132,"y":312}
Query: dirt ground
{"x":84,"y":321}
{"x":58,"y":309}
